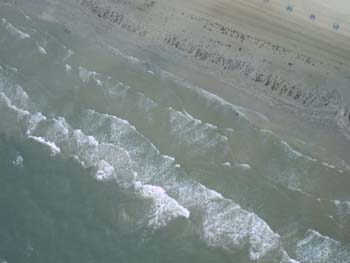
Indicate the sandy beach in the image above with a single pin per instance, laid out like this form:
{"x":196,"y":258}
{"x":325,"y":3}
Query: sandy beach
{"x":293,"y":53}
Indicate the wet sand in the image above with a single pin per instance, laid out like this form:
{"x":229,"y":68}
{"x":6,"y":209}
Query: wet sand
{"x":296,"y":62}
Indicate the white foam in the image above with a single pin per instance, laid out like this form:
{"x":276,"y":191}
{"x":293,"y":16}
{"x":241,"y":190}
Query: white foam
{"x":85,"y":147}
{"x":29,"y":249}
{"x":17,"y":96}
{"x":13,"y":119}
{"x":20,"y":112}
{"x":310,"y":158}
{"x":116,"y":51}
{"x":42,"y":50}
{"x":328,"y":165}
{"x":169,"y":157}
{"x":56,"y":133}
{"x":290,"y":151}
{"x":120,"y":160}
{"x":221,"y":226}
{"x":87,"y":75}
{"x":105,"y":171}
{"x":244,"y":166}
{"x":98,"y":82}
{"x":342,"y":211}
{"x":227,"y":164}
{"x":267,"y":132}
{"x":188,"y":131}
{"x":20,"y":92}
{"x":68,"y":55}
{"x":155,"y":189}
{"x":13,"y":30}
{"x":164,"y":209}
{"x":5,"y":99}
{"x":213,"y":194}
{"x":53,"y":147}
{"x":14,"y":69}
{"x":115,"y":155}
{"x":318,"y":248}
{"x":244,"y":112}
{"x":226,"y":232}
{"x":286,"y":259}
{"x":262,"y":239}
{"x":68,"y":68}
{"x":229,"y":235}
{"x":18,"y":162}
{"x":231,"y":228}
{"x":119,"y":126}
{"x":56,"y":130}
{"x":338,"y":203}
{"x":206,"y":94}
{"x":229,"y":130}
{"x":88,"y":151}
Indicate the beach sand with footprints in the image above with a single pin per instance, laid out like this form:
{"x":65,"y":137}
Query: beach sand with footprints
{"x":320,"y":29}
{"x":294,"y":54}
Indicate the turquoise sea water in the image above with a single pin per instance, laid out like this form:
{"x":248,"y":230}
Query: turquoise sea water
{"x":104,"y":160}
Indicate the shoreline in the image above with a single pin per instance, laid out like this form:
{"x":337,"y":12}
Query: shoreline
{"x":232,"y":64}
{"x":229,"y":54}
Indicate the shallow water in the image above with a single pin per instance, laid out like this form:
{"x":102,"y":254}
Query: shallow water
{"x":105,"y":158}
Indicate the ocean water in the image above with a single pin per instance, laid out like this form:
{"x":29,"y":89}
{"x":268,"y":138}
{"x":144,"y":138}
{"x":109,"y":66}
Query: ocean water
{"x":106,"y":158}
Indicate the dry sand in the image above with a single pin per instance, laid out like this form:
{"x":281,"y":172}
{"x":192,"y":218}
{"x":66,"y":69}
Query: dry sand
{"x":270,"y":21}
